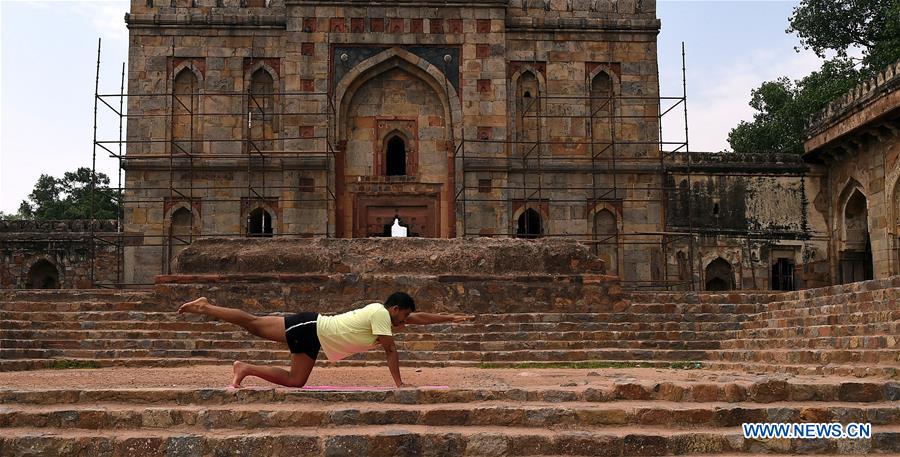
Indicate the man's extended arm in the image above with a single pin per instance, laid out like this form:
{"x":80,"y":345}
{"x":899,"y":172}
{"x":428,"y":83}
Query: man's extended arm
{"x":431,"y":318}
{"x":393,"y":359}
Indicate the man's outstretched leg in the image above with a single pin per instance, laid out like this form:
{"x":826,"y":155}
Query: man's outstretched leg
{"x":301,"y":367}
{"x":273,"y":328}
{"x":268,"y":327}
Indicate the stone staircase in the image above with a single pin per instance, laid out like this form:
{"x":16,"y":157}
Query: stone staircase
{"x":622,"y":418}
{"x":825,"y":355}
{"x":844,"y":330}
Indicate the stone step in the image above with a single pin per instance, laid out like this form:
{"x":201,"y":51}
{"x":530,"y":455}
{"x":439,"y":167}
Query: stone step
{"x":887,"y":357}
{"x":839,"y":308}
{"x":409,"y":334}
{"x":704,"y":388}
{"x":839,"y":342}
{"x":882,"y":293}
{"x":827,"y":319}
{"x":421,"y":345}
{"x":859,"y":370}
{"x":881,"y":328}
{"x":76,"y":295}
{"x":471,"y":356}
{"x":571,"y":415}
{"x":481,"y":321}
{"x":454,"y":352}
{"x":80,"y":306}
{"x":136,"y":362}
{"x":703,"y":297}
{"x":419,"y":440}
{"x":207,"y":326}
{"x":845,"y":369}
{"x":150,"y":304}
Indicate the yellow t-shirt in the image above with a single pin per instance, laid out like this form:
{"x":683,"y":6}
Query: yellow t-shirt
{"x":354,"y":331}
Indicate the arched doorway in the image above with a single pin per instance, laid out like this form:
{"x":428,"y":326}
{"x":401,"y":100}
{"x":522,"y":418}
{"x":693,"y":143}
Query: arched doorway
{"x":529,"y":224}
{"x":396,"y":157}
{"x":856,"y":248}
{"x":42,"y":275}
{"x":782,"y":274}
{"x":606,"y":232}
{"x":259,"y":223}
{"x":180,"y":232}
{"x":396,"y":118}
{"x":719,"y":275}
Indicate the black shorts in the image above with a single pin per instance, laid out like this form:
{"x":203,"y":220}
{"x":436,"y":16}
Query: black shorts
{"x":300,"y":332}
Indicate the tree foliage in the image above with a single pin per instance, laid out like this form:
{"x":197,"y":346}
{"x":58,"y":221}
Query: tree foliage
{"x":69,"y":197}
{"x":872,"y":26}
{"x":784,"y":107}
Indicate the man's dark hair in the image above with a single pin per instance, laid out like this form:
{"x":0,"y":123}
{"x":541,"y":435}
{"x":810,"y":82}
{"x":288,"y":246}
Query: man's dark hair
{"x":401,"y":300}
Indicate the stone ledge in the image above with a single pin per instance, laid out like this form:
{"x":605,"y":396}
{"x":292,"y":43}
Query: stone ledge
{"x":486,"y":257}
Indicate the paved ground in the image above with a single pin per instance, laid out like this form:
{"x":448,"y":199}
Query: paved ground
{"x":216,"y":376}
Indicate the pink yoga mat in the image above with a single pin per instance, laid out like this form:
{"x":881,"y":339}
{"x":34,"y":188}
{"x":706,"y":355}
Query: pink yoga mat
{"x":363,"y":388}
{"x":341,"y":388}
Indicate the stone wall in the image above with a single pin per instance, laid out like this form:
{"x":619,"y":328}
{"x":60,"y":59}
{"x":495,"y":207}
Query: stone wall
{"x":327,"y":275}
{"x":55,"y":254}
{"x":857,"y":140}
{"x":751,"y":210}
{"x":344,"y":77}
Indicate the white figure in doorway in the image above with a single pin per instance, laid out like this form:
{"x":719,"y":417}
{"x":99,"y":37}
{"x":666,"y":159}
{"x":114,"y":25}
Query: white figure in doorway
{"x":397,"y":230}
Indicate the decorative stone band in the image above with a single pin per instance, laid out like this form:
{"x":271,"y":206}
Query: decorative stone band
{"x":885,"y":81}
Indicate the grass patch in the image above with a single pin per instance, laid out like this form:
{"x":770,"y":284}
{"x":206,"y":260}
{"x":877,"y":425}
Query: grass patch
{"x":73,"y":364}
{"x":680,"y":365}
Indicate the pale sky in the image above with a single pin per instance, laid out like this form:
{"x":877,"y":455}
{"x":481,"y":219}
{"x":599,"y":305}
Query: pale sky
{"x":48,"y":56}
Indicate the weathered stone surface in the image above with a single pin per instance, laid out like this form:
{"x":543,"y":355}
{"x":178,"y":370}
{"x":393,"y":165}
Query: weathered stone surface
{"x":392,"y":256}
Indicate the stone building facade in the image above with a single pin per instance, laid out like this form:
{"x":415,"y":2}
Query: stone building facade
{"x":453,"y":118}
{"x":857,"y":141}
{"x":751,"y":220}
{"x":57,"y":254}
{"x":509,"y":118}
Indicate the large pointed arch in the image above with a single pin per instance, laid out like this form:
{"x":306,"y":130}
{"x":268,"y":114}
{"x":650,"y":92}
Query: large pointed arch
{"x":388,"y":60}
{"x":851,"y":187}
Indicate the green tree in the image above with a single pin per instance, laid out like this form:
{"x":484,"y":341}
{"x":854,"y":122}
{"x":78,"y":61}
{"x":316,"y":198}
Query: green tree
{"x":69,"y":197}
{"x":784,"y":107}
{"x":872,"y":26}
{"x":9,"y":216}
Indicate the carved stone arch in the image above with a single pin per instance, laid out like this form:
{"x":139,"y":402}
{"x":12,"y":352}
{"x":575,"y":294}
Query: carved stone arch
{"x":850,"y":188}
{"x":516,"y":122}
{"x":718,"y":275}
{"x":186,"y":123}
{"x":895,"y":207}
{"x":601,"y":114}
{"x":613,"y":77}
{"x":42,"y":272}
{"x":411,"y":150}
{"x":894,"y":227}
{"x":252,"y":208}
{"x":265,"y":133}
{"x":176,"y":240}
{"x":188,"y":65}
{"x":609,"y":242}
{"x":262,"y":65}
{"x":387,"y":60}
{"x":542,"y":214}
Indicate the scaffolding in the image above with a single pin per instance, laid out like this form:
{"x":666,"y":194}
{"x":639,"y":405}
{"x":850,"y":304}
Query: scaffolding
{"x":528,"y":161}
{"x":181,"y":156}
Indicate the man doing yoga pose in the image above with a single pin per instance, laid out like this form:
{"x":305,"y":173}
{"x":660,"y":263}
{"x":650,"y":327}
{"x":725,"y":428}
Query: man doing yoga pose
{"x":338,"y":336}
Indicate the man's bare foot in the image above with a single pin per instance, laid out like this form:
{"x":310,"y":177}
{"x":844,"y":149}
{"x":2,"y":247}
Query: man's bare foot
{"x":194,"y":307}
{"x":240,"y":372}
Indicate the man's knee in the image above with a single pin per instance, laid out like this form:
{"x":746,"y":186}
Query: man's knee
{"x":296,"y":382}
